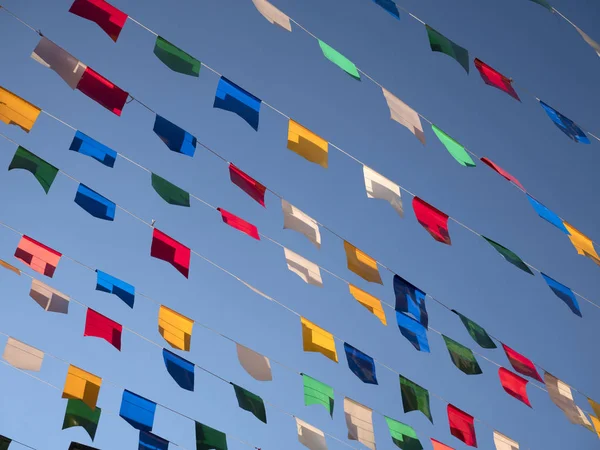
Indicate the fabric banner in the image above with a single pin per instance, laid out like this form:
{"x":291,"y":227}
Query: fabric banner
{"x":316,"y":339}
{"x":362,"y":264}
{"x":169,"y":250}
{"x":78,"y":414}
{"x":69,"y":68}
{"x":561,"y":395}
{"x":440,"y":43}
{"x":564,"y":293}
{"x":174,"y":137}
{"x":82,"y":385}
{"x":257,"y":365}
{"x":150,"y":441}
{"x":309,"y":436}
{"x":308,"y":271}
{"x":170,"y":193}
{"x":433,"y":220}
{"x":180,"y":369}
{"x":176,"y":59}
{"x":502,"y":172}
{"x":592,"y":43}
{"x":10,"y":267}
{"x":105,"y":15}
{"x":378,"y":186}
{"x":546,"y":214}
{"x":462,"y":357}
{"x":250,"y":402}
{"x":411,"y":300}
{"x":247,"y":184}
{"x":42,"y":170}
{"x":239,"y":224}
{"x":87,"y":146}
{"x":582,"y":243}
{"x":49,"y":298}
{"x":361,"y":364}
{"x":95,"y":204}
{"x":504,"y":443}
{"x":36,"y":255}
{"x":108,"y":283}
{"x":175,"y":328}
{"x":102,"y":91}
{"x":294,"y":219}
{"x":404,"y":115}
{"x":359,"y":420}
{"x":413,"y":331}
{"x":437,"y":445}
{"x":565,"y":124}
{"x":478,"y":334}
{"x":543,"y":3}
{"x":307,"y":144}
{"x":455,"y":149}
{"x":317,"y":393}
{"x":414,"y":397}
{"x":389,"y":6}
{"x":521,"y":364}
{"x":5,"y":442}
{"x":509,"y":256}
{"x":492,"y":77}
{"x":462,"y":426}
{"x":339,"y":60}
{"x":23,"y":356}
{"x":100,"y":326}
{"x":403,"y":436}
{"x":231,"y":97}
{"x":137,"y":411}
{"x":272,"y":14}
{"x":208,"y":438}
{"x":78,"y":446}
{"x":373,"y":304}
{"x":16,"y":111}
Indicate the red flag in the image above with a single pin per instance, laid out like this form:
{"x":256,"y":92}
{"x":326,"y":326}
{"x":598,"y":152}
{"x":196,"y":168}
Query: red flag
{"x":171,"y":251}
{"x":236,"y":222}
{"x":437,"y":445}
{"x":514,"y":385}
{"x":247,"y":184}
{"x":502,"y":172}
{"x":99,"y":89}
{"x":494,"y":78}
{"x":36,"y":255}
{"x":97,"y":325}
{"x":521,"y":364}
{"x":433,"y":220}
{"x":461,"y":426}
{"x":109,"y":18}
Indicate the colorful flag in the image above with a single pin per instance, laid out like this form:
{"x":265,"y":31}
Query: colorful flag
{"x":359,"y":421}
{"x":150,"y":441}
{"x":494,"y":78}
{"x":317,"y":393}
{"x":239,"y":224}
{"x":402,"y":435}
{"x":5,"y":442}
{"x":412,"y":330}
{"x":175,"y":58}
{"x":389,"y":6}
{"x":437,"y":445}
{"x":316,"y":339}
{"x":94,"y":203}
{"x":547,"y":215}
{"x":112,"y":285}
{"x":87,"y":146}
{"x":49,"y":298}
{"x":307,"y":144}
{"x":561,"y":395}
{"x":294,"y":219}
{"x":308,"y":271}
{"x":361,"y":364}
{"x":272,"y":14}
{"x":440,"y":43}
{"x":137,"y":411}
{"x":180,"y":369}
{"x":565,"y":124}
{"x":433,"y":220}
{"x":231,"y":97}
{"x":504,"y":443}
{"x":414,"y":397}
{"x":404,"y":115}
{"x":462,"y":426}
{"x":105,"y":15}
{"x":592,"y":43}
{"x":373,"y":304}
{"x":250,"y":402}
{"x":462,"y":357}
{"x":82,"y":385}
{"x":339,"y":60}
{"x":514,"y":385}
{"x":22,"y":356}
{"x":102,"y":91}
{"x":247,"y":184}
{"x":477,"y":332}
{"x":509,"y":256}
{"x":78,"y":446}
{"x":564,"y":293}
{"x":309,"y":436}
{"x":583,"y":244}
{"x":208,"y":438}
{"x":43,"y":171}
{"x":69,"y":68}
{"x":543,"y":3}
{"x":411,"y":300}
{"x":98,"y":325}
{"x":175,"y":328}
{"x":169,"y":250}
{"x":78,"y":414}
{"x":521,"y":364}
{"x":378,"y":186}
{"x":170,"y":193}
{"x":362,"y":264}
{"x":457,"y":151}
{"x":36,"y":255}
{"x":10,"y":267}
{"x":257,"y":365}
{"x":174,"y":137}
{"x":16,"y":111}
{"x":502,"y":172}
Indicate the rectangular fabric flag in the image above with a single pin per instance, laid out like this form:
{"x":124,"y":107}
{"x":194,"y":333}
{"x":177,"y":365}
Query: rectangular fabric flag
{"x":170,"y":193}
{"x":492,"y":77}
{"x":69,"y":68}
{"x":49,"y":298}
{"x":208,"y":438}
{"x":87,"y":146}
{"x":413,"y":331}
{"x":272,"y":14}
{"x":308,"y":271}
{"x":543,"y":3}
{"x":105,"y":15}
{"x":561,"y":395}
{"x":100,"y":326}
{"x":361,"y":364}
{"x":504,"y":443}
{"x":404,"y":115}
{"x":137,"y":411}
{"x":307,"y":144}
{"x":23,"y":356}
{"x":10,"y":267}
{"x":403,"y":436}
{"x":457,"y":151}
{"x":16,"y":111}
{"x":231,"y":97}
{"x":82,"y":385}
{"x":36,"y":255}
{"x":42,"y":170}
{"x":437,"y":445}
{"x":180,"y":369}
{"x":462,"y":426}
{"x":316,"y":339}
{"x":582,"y":243}
{"x":250,"y":402}
{"x":102,"y":91}
{"x":150,"y":441}
{"x":565,"y":125}
{"x":592,"y":43}
{"x":378,"y":186}
{"x":339,"y":60}
{"x":239,"y":224}
{"x":78,"y":414}
{"x":359,"y":421}
{"x":389,"y":6}
{"x":309,"y":436}
{"x":502,"y":172}
{"x":94,"y":203}
{"x":362,"y":264}
{"x":521,"y":364}
{"x":257,"y":365}
{"x":317,"y":393}
{"x":373,"y":304}
{"x":433,"y":220}
{"x":547,"y":215}
{"x":414,"y":397}
{"x":514,"y":385}
{"x":175,"y":58}
{"x":247,"y":184}
{"x":411,"y":300}
{"x":294,"y":219}
{"x":564,"y":293}
{"x":477,"y":332}
{"x":169,"y":250}
{"x":108,"y":283}
{"x":462,"y":357}
{"x":174,"y":137}
{"x":175,"y":328}
{"x":5,"y":442}
{"x":440,"y":43}
{"x":509,"y":256}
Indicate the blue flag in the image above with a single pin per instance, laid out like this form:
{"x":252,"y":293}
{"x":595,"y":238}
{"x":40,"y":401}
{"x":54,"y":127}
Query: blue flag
{"x":546,"y":214}
{"x":564,"y":293}
{"x":413,"y":331}
{"x":149,"y":441}
{"x":138,"y":411}
{"x":389,"y":6}
{"x":180,"y":369}
{"x":112,"y":285}
{"x":565,"y":124}
{"x":360,"y":364}
{"x":410,"y":299}
{"x":231,"y":97}
{"x":95,"y":204}
{"x":174,"y":137}
{"x":87,"y":146}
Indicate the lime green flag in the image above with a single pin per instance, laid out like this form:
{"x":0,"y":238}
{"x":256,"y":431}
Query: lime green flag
{"x":462,"y":357}
{"x":317,"y":393}
{"x":169,"y":192}
{"x":339,"y":60}
{"x":175,"y":58}
{"x":78,"y":414}
{"x":44,"y":172}
{"x":403,"y":436}
{"x":477,"y":332}
{"x":250,"y":402}
{"x":457,"y":151}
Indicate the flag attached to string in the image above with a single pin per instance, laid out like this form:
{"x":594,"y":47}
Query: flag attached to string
{"x":455,"y":149}
{"x":414,"y":397}
{"x":561,"y":395}
{"x":504,"y":443}
{"x":592,"y":43}
{"x":100,"y":326}
{"x":169,"y":250}
{"x":309,"y":436}
{"x":433,"y":220}
{"x":339,"y":60}
{"x":565,"y":124}
{"x":105,"y":15}
{"x":362,"y":264}
{"x":361,"y":364}
{"x":413,"y":331}
{"x":294,"y":219}
{"x":208,"y":438}
{"x":440,"y":43}
{"x":90,"y":147}
{"x":462,"y":425}
{"x":378,"y":186}
{"x":521,"y":364}
{"x":170,"y":193}
{"x":257,"y":365}
{"x":477,"y":332}
{"x":564,"y":293}
{"x":150,"y":441}
{"x":404,"y":115}
{"x":502,"y":172}
{"x":231,"y":97}
{"x":411,"y":300}
{"x":180,"y":369}
{"x":317,"y":393}
{"x":250,"y":402}
{"x":78,"y":414}
{"x":373,"y":304}
{"x":50,"y":55}
{"x":462,"y":357}
{"x":543,"y":3}
{"x":272,"y":14}
{"x":389,"y":6}
{"x":82,"y":385}
{"x":509,"y":256}
{"x":175,"y":328}
{"x":10,"y":267}
{"x":102,"y":91}
{"x":36,"y":255}
{"x":247,"y":184}
{"x":78,"y":446}
{"x":42,"y":170}
{"x":492,"y":77}
{"x":239,"y":224}
{"x":49,"y":298}
{"x":583,"y":244}
{"x":308,"y":271}
{"x":5,"y":442}
{"x":316,"y":339}
{"x":16,"y":111}
{"x":94,"y":203}
{"x":437,"y":445}
{"x":176,"y":59}
{"x":514,"y":385}
{"x":547,"y":214}
{"x":307,"y":144}
{"x":403,"y":436}
{"x":359,"y":421}
{"x":174,"y":137}
{"x":23,"y":356}
{"x":108,"y":283}
{"x":137,"y":411}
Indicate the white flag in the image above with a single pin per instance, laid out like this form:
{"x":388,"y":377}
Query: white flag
{"x":23,"y":356}
{"x":257,"y":365}
{"x":378,"y":186}
{"x":359,"y":420}
{"x":69,"y":68}
{"x":296,"y":220}
{"x":404,"y":115}
{"x":308,"y":271}
{"x":592,"y":43}
{"x":310,"y":437}
{"x":272,"y":14}
{"x":561,"y":395}
{"x":48,"y":298}
{"x":504,"y":443}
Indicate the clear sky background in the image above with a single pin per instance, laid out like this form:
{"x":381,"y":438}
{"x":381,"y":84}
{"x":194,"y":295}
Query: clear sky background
{"x":521,"y":39}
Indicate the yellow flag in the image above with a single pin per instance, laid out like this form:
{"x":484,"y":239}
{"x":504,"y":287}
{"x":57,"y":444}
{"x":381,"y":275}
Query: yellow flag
{"x":175,"y":328}
{"x":362,"y":264}
{"x":316,"y":339}
{"x":82,"y":385}
{"x":373,"y":304}
{"x":307,"y":144}
{"x":595,"y":407}
{"x":596,"y":423}
{"x":16,"y":111}
{"x":582,"y":243}
{"x":10,"y":267}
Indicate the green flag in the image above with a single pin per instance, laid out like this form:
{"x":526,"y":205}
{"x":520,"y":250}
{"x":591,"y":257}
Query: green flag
{"x":339,"y":60}
{"x":175,"y":58}
{"x":440,"y":43}
{"x":414,"y":397}
{"x":317,"y":393}
{"x":4,"y":442}
{"x":250,"y":402}
{"x":403,"y":436}
{"x":457,"y":151}
{"x":169,"y":192}
{"x":509,"y":256}
{"x":45,"y":173}
{"x":208,"y":438}
{"x":478,"y":334}
{"x":462,"y":357}
{"x":78,"y":414}
{"x":545,"y":4}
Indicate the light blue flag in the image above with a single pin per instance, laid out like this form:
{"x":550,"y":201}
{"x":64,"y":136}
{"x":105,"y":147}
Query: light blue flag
{"x":87,"y":146}
{"x":231,"y":97}
{"x":138,"y":411}
{"x":547,"y":215}
{"x":94,"y":203}
{"x":112,"y":285}
{"x":413,"y":331}
{"x":389,"y":6}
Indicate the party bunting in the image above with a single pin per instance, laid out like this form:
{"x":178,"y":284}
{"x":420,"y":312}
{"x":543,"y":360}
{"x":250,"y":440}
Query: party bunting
{"x":94,"y":203}
{"x":307,"y":144}
{"x":543,"y":3}
{"x":411,"y":300}
{"x":339,"y":60}
{"x":36,"y":255}
{"x":404,"y":114}
{"x":308,"y":271}
{"x":437,"y":445}
{"x":231,"y":97}
{"x":49,"y":298}
{"x":250,"y":402}
{"x":403,"y":436}
{"x":10,"y":267}
{"x":150,"y":441}
{"x":433,"y":220}
{"x":478,"y":334}
{"x":247,"y":184}
{"x":462,"y":357}
{"x":561,"y":395}
{"x":359,"y":421}
{"x":373,"y":304}
{"x":521,"y":364}
{"x":294,"y":219}
{"x":170,"y":193}
{"x":5,"y":442}
{"x":592,"y":43}
{"x":175,"y":58}
{"x":378,"y":186}
{"x":595,"y":420}
{"x":440,"y":43}
{"x":457,"y":151}
{"x":564,"y":293}
{"x":102,"y":91}
{"x":105,"y":15}
{"x":239,"y":224}
{"x":169,"y":250}
{"x":462,"y":426}
{"x":16,"y":111}
{"x":546,"y":214}
{"x":108,"y":283}
{"x":362,"y":264}
{"x":175,"y":328}
{"x":309,"y":436}
{"x":502,"y":172}
{"x":138,"y":411}
{"x":414,"y":397}
{"x":413,"y":331}
{"x":389,"y":6}
{"x":272,"y":14}
{"x":43,"y":171}
{"x":361,"y":364}
{"x":565,"y":124}
{"x":494,"y":78}
{"x":257,"y":365}
{"x":582,"y":243}
{"x":174,"y":137}
{"x":69,"y":68}
{"x":316,"y":339}
{"x":78,"y":414}
{"x":23,"y":356}
{"x":208,"y":438}
{"x":504,"y":443}
{"x":78,"y":446}
{"x":87,"y":146}
{"x":514,"y":385}
{"x":180,"y":369}
{"x":509,"y":256}
{"x":82,"y":385}
{"x":317,"y":393}
{"x":97,"y":325}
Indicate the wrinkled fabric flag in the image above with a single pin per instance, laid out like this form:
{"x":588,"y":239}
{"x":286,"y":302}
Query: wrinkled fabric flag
{"x":413,"y":331}
{"x":478,"y":334}
{"x":87,"y":146}
{"x":437,"y":445}
{"x":49,"y":298}
{"x":308,"y":271}
{"x":95,"y":204}
{"x":361,"y":364}
{"x":543,"y":3}
{"x":565,"y":124}
{"x":307,"y":144}
{"x":462,"y":426}
{"x":582,"y":243}
{"x":108,"y":283}
{"x":455,"y":149}
{"x":174,"y":137}
{"x":176,"y":59}
{"x":309,"y":436}
{"x":462,"y":357}
{"x":547,"y":214}
{"x":208,"y":438}
{"x":414,"y":397}
{"x":16,"y":111}
{"x":494,"y":78}
{"x":272,"y":14}
{"x":592,"y":43}
{"x":433,"y":220}
{"x":100,"y":326}
{"x":362,"y":264}
{"x":504,"y":443}
{"x":231,"y":97}
{"x":43,"y":171}
{"x":239,"y":224}
{"x":247,"y":184}
{"x":339,"y":60}
{"x":180,"y":369}
{"x":78,"y":414}
{"x":170,"y":193}
{"x":69,"y":68}
{"x":294,"y":219}
{"x":378,"y":186}
{"x":36,"y":255}
{"x":316,"y":339}
{"x":373,"y":304}
{"x":440,"y":43}
{"x":502,"y":172}
{"x":78,"y":446}
{"x":82,"y":385}
{"x":403,"y":436}
{"x":175,"y":328}
{"x":257,"y":365}
{"x":150,"y":441}
{"x":250,"y":402}
{"x":137,"y":411}
{"x":10,"y":267}
{"x":22,"y":356}
{"x":561,"y":395}
{"x":359,"y":421}
{"x":509,"y":256}
{"x":404,"y":115}
{"x":317,"y":393}
{"x":102,"y":91}
{"x":169,"y":250}
{"x":564,"y":293}
{"x":105,"y":15}
{"x":389,"y":6}
{"x":521,"y":364}
{"x":411,"y":300}
{"x":5,"y":442}
{"x":514,"y":385}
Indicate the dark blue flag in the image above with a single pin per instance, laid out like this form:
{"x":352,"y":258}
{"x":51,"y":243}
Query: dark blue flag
{"x":180,"y":369}
{"x":174,"y":137}
{"x":389,"y":6}
{"x":413,"y":331}
{"x":231,"y":97}
{"x":547,"y":215}
{"x":360,"y":364}
{"x":565,"y":124}
{"x":95,"y":204}
{"x":112,"y":285}
{"x":87,"y":146}
{"x":411,"y":300}
{"x":564,"y":293}
{"x":149,"y":441}
{"x":138,"y":411}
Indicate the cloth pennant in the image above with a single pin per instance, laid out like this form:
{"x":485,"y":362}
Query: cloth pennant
{"x":174,"y":137}
{"x":543,"y":3}
{"x":462,"y":425}
{"x":175,"y":328}
{"x":208,"y":438}
{"x":411,"y":300}
{"x":521,"y":364}
{"x":502,"y":172}
{"x":455,"y":149}
{"x":316,"y":339}
{"x":561,"y":395}
{"x":10,"y":267}
{"x":102,"y":91}
{"x":564,"y":293}
{"x":108,"y":283}
{"x":36,"y":255}
{"x":404,"y":115}
{"x":309,"y":436}
{"x":437,"y":445}
{"x":308,"y":271}
{"x":378,"y":186}
{"x":78,"y":414}
{"x":42,"y":170}
{"x":592,"y":43}
{"x":16,"y":111}
{"x":462,"y":357}
{"x":492,"y":77}
{"x":373,"y":304}
{"x":317,"y":393}
{"x":180,"y":369}
{"x":170,"y":193}
{"x":87,"y":146}
{"x":5,"y":442}
{"x":440,"y":43}
{"x":231,"y":97}
{"x":137,"y":411}
{"x":22,"y":356}
{"x":169,"y":250}
{"x":257,"y":365}
{"x":150,"y":441}
{"x":239,"y":224}
{"x":403,"y":436}
{"x":362,"y":264}
{"x":433,"y":220}
{"x":176,"y":59}
{"x":82,"y":385}
{"x":50,"y":55}
{"x":359,"y":421}
{"x":100,"y":326}
{"x":389,"y":6}
{"x":583,"y":244}
{"x":247,"y":184}
{"x":413,"y":331}
{"x":272,"y":14}
{"x":294,"y":219}
{"x":307,"y":144}
{"x":509,"y":256}
{"x":250,"y":402}
{"x":105,"y":15}
{"x":95,"y":204}
{"x":79,"y":446}
{"x":504,"y":442}
{"x":478,"y":334}
{"x":414,"y":397}
{"x":361,"y":364}
{"x":565,"y":124}
{"x":547,"y":215}
{"x":514,"y":385}
{"x":339,"y":60}
{"x":49,"y":298}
